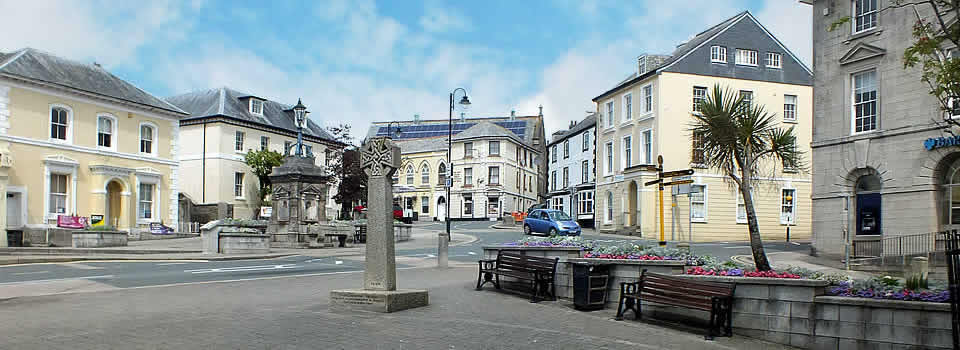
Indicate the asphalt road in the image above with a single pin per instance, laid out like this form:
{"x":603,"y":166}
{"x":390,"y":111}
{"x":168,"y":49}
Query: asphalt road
{"x":125,"y":274}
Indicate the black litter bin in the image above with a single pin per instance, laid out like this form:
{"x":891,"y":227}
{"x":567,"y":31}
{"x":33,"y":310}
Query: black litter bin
{"x":416,"y":216}
{"x":14,"y":238}
{"x":589,"y":286}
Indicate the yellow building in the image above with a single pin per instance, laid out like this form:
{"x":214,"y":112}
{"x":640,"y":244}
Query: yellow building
{"x":650,"y":114}
{"x":83,"y":142}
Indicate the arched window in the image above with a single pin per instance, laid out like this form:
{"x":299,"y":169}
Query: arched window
{"x":609,"y":207}
{"x":409,"y":174}
{"x":951,"y":195}
{"x":148,"y":138}
{"x":868,"y":184}
{"x":60,"y":123}
{"x":424,"y":175}
{"x":106,"y":124}
{"x":442,"y":174}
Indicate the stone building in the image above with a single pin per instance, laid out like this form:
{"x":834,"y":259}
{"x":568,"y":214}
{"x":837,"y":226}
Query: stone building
{"x":572,"y":174}
{"x":879,"y":170}
{"x":650,"y":114}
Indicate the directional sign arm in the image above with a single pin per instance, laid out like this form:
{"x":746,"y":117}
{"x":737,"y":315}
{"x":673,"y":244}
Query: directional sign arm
{"x":675,"y":173}
{"x":654,"y":182}
{"x":681,"y":182}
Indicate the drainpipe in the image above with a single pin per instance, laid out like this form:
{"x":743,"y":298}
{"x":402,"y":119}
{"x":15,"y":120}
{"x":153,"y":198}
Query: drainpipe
{"x":203,"y":167}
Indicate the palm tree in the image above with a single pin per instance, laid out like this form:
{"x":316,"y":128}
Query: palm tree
{"x":740,"y":141}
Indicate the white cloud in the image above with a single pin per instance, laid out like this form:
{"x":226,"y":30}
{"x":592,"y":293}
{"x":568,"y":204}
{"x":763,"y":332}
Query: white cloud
{"x":439,"y":19}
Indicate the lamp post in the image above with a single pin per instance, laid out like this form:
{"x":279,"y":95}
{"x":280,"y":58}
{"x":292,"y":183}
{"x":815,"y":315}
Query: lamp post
{"x":300,"y":117}
{"x":444,"y":239}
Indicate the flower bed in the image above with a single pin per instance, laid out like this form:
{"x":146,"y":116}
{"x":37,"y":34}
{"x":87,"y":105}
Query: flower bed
{"x":887,"y":288}
{"x":628,"y":256}
{"x":554,"y":241}
{"x":738,"y":272}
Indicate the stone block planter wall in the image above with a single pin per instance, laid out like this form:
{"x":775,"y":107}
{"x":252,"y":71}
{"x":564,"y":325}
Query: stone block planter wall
{"x":244,"y":243}
{"x":98,"y":239}
{"x":860,"y":323}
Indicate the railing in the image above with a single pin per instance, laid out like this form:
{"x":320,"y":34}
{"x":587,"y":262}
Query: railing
{"x":951,"y":240}
{"x":916,"y":244}
{"x":189,"y":227}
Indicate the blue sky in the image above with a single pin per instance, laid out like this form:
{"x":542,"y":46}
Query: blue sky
{"x":361,"y":61}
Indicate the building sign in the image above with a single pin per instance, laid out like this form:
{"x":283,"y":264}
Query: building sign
{"x":96,"y":220}
{"x":940,"y":142}
{"x":71,"y":221}
{"x":266,"y":212}
{"x":159,"y":229}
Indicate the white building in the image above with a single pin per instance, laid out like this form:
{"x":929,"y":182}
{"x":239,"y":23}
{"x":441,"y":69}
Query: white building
{"x":571,"y":170}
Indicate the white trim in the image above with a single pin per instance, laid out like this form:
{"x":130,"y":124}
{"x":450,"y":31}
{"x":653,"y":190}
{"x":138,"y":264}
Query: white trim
{"x":68,"y":135}
{"x":788,"y":186}
{"x":608,"y":210}
{"x":746,"y":62}
{"x":736,"y":210}
{"x":146,"y":177}
{"x":767,"y":60}
{"x":243,"y":186}
{"x":610,"y":116}
{"x":721,"y":52}
{"x":98,"y":100}
{"x":609,"y":158}
{"x":154,"y":144}
{"x":782,"y":46}
{"x":706,"y":203}
{"x":643,"y":98}
{"x":627,"y":113}
{"x":174,"y":201}
{"x":250,"y":105}
{"x":647,"y":161}
{"x":91,"y":150}
{"x":59,"y":164}
{"x":853,"y":18}
{"x":222,"y":156}
{"x":114,"y":134}
{"x":14,"y":58}
{"x":626,"y":161}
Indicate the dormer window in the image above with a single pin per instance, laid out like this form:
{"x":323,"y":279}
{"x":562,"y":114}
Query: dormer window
{"x":773,"y":60}
{"x":718,"y":54}
{"x":256,"y":106}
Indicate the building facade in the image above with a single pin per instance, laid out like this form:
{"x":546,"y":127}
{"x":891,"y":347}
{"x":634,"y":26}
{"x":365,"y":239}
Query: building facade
{"x":650,"y":113}
{"x":883,"y":163}
{"x":223,"y":126}
{"x":84,"y":142}
{"x":496,"y":166}
{"x":571,"y":175}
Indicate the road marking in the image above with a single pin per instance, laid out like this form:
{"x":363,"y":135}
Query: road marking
{"x":166,"y":264}
{"x":338,"y":262}
{"x":794,"y":243}
{"x":312,"y":260}
{"x":30,"y":273}
{"x":737,"y":247}
{"x":243,"y":268}
{"x":471,"y":253}
{"x":82,"y":266}
{"x":58,"y":279}
{"x":431,"y":256}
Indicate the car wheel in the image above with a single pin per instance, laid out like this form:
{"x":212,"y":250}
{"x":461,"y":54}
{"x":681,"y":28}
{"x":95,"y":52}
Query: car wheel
{"x":553,"y":231}
{"x":526,"y":229}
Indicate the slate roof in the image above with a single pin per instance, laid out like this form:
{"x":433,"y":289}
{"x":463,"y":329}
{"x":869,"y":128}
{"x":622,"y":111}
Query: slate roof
{"x":227,"y":102}
{"x":33,"y":65}
{"x":432,"y":144}
{"x":486,"y":129}
{"x":588,"y":122}
{"x":530,"y":130}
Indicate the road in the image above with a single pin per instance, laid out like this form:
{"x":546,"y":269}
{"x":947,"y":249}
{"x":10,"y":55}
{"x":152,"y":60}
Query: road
{"x":126,"y":274}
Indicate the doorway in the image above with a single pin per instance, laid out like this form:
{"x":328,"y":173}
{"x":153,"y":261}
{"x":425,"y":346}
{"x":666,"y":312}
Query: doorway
{"x":631,"y":204}
{"x":114,"y":209}
{"x":869,"y":205}
{"x":442,"y":209}
{"x":14,"y":210}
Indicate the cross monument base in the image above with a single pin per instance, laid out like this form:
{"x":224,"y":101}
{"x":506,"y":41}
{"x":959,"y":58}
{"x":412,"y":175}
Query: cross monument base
{"x":378,"y":300}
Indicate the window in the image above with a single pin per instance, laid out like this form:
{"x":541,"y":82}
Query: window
{"x":286,"y":146}
{"x":647,"y":146}
{"x":627,"y":151}
{"x":238,"y":185}
{"x":264,"y":143}
{"x":59,"y":121}
{"x":585,"y":171}
{"x":628,"y":107}
{"x":519,"y":158}
{"x":609,"y":151}
{"x":747,"y":57}
{"x":518,"y":179}
{"x":239,"y":141}
{"x":147,"y":133}
{"x":467,"y":204}
{"x":424,"y":175}
{"x":788,"y":198}
{"x":396,"y":177}
{"x":747,"y":97}
{"x":865,"y":101}
{"x":773,"y":60}
{"x":648,"y":98}
{"x":256,"y":106}
{"x":609,"y":217}
{"x":718,"y":54}
{"x":58,"y":194}
{"x":788,"y":164}
{"x":697,"y":157}
{"x":468,"y":176}
{"x":556,"y":203}
{"x":424,"y":205}
{"x":864,"y":15}
{"x":442,"y":174}
{"x":553,"y":155}
{"x":105,"y":132}
{"x":494,"y":148}
{"x":741,"y":209}
{"x":145,"y":208}
{"x":553,"y":180}
{"x":585,"y":205}
{"x":610,"y":114}
{"x":566,"y":149}
{"x":789,"y":108}
{"x":409,"y":174}
{"x":698,"y":203}
{"x":586,"y":141}
{"x":566,"y":177}
{"x":468,"y":149}
{"x":699,"y":95}
{"x":308,"y":150}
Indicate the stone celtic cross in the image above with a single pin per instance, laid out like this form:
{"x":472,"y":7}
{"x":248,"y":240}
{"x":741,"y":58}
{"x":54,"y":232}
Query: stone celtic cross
{"x":380,"y":157}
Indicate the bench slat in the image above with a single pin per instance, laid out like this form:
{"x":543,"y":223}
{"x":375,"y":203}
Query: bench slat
{"x":715,"y":287}
{"x":692,"y":290}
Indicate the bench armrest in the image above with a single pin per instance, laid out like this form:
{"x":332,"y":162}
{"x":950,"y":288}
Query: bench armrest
{"x":487,"y":264}
{"x":629,"y":287}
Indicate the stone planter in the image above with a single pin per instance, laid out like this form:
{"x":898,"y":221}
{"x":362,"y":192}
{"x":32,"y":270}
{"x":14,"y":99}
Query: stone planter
{"x":401,"y":232}
{"x":564,"y":253}
{"x":861,"y":323}
{"x":243,"y":243}
{"x":98,"y":239}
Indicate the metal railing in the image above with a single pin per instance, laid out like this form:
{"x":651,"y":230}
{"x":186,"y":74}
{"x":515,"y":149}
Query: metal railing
{"x":905,"y":245}
{"x":189,"y":227}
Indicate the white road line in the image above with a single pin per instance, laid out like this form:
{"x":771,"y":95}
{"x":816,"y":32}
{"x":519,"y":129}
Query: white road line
{"x":737,"y":247}
{"x":165,"y":264}
{"x":794,"y":243}
{"x":312,"y":260}
{"x":471,"y":253}
{"x":243,"y":268}
{"x":338,"y":262}
{"x":30,"y":273}
{"x":58,"y":279}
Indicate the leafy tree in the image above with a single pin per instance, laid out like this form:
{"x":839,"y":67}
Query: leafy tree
{"x":335,"y":162}
{"x":936,"y":34}
{"x":741,"y":141}
{"x":353,"y":182}
{"x":262,"y":162}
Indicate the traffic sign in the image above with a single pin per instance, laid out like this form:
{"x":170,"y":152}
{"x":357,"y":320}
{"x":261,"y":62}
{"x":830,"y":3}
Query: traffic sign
{"x":678,"y":173}
{"x":654,"y":182}
{"x":681,"y":182}
{"x":449,"y":183}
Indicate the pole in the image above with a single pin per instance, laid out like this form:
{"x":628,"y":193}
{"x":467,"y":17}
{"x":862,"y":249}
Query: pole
{"x":846,"y":232}
{"x":663,"y":241}
{"x":444,"y":239}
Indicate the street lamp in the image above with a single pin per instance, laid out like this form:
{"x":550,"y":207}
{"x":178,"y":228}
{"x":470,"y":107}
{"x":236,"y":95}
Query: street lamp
{"x":444,"y":241}
{"x":300,"y":118}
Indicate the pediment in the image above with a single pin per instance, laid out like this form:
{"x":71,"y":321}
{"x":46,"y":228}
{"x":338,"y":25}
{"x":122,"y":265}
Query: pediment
{"x":860,"y":52}
{"x":312,"y":190}
{"x":280,"y":192}
{"x":61,"y":160}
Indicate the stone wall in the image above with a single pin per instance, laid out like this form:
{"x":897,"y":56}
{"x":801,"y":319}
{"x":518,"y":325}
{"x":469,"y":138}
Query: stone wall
{"x":234,"y":237}
{"x":98,"y":239}
{"x":859,"y":323}
{"x":243,"y":243}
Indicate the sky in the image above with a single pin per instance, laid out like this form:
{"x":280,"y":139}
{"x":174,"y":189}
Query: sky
{"x":361,"y":61}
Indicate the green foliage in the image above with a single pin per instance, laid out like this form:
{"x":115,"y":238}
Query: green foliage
{"x":101,"y":228}
{"x":262,"y":162}
{"x":917,"y":282}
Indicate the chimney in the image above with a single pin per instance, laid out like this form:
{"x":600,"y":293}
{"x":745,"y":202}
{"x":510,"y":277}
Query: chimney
{"x":572,"y":124}
{"x":463,"y":117}
{"x":541,"y":111}
{"x":416,"y":119}
{"x":513,"y":114}
{"x":96,"y":64}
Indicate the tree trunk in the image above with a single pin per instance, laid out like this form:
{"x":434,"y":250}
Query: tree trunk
{"x":756,"y":245}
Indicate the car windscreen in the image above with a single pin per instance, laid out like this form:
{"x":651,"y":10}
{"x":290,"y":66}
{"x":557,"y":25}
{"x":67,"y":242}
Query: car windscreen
{"x":559,"y":216}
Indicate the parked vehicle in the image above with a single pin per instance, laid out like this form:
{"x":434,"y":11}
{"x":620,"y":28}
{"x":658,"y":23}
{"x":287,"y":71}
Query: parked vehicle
{"x":397,"y":212}
{"x":550,"y":221}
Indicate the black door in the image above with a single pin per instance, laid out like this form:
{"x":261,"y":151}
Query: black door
{"x":868,"y":214}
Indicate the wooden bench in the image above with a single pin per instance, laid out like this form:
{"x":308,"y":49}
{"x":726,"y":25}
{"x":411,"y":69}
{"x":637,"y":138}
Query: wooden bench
{"x":538,"y":272}
{"x":715,"y":297}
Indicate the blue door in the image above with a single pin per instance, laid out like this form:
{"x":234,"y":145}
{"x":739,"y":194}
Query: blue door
{"x":868,"y":214}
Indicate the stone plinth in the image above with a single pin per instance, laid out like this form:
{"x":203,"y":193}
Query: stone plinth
{"x":98,"y":239}
{"x":378,"y":300}
{"x":244,"y":243}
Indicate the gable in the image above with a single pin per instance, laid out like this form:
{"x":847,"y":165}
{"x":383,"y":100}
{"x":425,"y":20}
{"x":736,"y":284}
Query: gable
{"x":745,"y":33}
{"x":860,"y":52}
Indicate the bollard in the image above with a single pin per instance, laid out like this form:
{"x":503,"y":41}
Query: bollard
{"x":444,"y":244}
{"x":788,"y":233}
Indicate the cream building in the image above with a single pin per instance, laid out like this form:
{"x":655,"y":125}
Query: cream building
{"x":497,"y":167}
{"x":84,"y":142}
{"x":224,"y":124}
{"x":650,"y":113}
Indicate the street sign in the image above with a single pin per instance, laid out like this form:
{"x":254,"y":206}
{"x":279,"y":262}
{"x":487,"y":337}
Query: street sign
{"x":449,"y":183}
{"x":654,"y":182}
{"x":678,"y":173}
{"x":681,"y":182}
